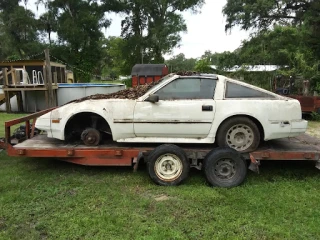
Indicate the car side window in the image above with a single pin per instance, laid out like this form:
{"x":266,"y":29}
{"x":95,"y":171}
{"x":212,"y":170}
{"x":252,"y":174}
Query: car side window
{"x":188,"y":88}
{"x":234,"y":90}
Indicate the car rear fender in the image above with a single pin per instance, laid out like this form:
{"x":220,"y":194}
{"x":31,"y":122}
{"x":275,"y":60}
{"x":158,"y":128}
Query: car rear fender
{"x":254,"y":119}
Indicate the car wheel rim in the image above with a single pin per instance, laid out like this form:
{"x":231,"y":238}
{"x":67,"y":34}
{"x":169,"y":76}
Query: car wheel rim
{"x":225,"y":169}
{"x":240,"y":137}
{"x":168,"y":167}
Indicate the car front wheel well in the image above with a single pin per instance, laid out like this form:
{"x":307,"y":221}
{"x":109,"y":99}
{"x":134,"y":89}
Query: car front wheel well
{"x":81,"y":121}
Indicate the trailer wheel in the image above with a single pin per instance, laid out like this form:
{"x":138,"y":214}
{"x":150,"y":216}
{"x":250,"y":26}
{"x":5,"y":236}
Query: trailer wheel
{"x":224,"y":167}
{"x":91,"y":137}
{"x":168,"y":165}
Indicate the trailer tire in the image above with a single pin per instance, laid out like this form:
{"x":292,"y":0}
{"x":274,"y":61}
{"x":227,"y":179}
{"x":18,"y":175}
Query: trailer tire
{"x":168,"y":165}
{"x":224,"y":167}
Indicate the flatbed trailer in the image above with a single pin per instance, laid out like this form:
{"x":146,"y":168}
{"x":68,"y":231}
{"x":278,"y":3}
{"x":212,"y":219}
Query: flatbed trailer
{"x":303,"y":147}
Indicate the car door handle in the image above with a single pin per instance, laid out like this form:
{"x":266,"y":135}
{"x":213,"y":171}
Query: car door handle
{"x":207,"y":108}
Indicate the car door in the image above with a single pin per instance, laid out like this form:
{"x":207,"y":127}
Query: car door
{"x":185,"y":109}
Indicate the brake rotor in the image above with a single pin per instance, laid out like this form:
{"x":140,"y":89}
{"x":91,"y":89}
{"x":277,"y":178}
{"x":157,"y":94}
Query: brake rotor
{"x":90,"y":137}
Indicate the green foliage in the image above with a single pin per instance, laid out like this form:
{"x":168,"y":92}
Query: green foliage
{"x":128,"y":82}
{"x":221,"y":61}
{"x":6,"y":117}
{"x":114,"y":57}
{"x":227,"y":59}
{"x":149,"y":30}
{"x":203,"y":66}
{"x":180,"y":63}
{"x":262,"y":14}
{"x":287,"y":32}
{"x":19,"y":31}
{"x":152,"y":28}
{"x":315,"y":83}
{"x":78,"y":25}
{"x":211,"y":57}
{"x":315,"y":116}
{"x":283,"y":46}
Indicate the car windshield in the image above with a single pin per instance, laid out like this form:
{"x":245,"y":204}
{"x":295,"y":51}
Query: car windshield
{"x":160,"y":81}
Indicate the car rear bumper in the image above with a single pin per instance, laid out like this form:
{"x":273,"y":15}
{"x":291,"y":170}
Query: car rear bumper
{"x":283,"y":129}
{"x":298,"y":127}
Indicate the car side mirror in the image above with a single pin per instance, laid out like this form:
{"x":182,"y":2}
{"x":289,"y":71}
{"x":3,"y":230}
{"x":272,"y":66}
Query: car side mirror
{"x":153,"y":98}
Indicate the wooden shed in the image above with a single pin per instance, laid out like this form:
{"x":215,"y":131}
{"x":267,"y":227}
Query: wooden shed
{"x":148,"y":73}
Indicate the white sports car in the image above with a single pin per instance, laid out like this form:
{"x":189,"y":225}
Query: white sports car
{"x":200,"y":108}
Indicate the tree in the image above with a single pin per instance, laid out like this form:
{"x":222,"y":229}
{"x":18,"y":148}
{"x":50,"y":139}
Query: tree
{"x":19,"y":36}
{"x":152,"y":28}
{"x":47,"y":21}
{"x":181,"y":63}
{"x":272,"y":46}
{"x":261,"y":15}
{"x":113,"y":61}
{"x":78,"y":26}
{"x":227,"y":60}
{"x":221,"y":60}
{"x":203,"y":66}
{"x":213,"y":58}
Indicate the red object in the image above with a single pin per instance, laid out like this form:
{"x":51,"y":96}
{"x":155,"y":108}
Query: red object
{"x":308,"y":103}
{"x":142,"y":80}
{"x":134,"y":80}
{"x":148,"y":73}
{"x":150,"y":79}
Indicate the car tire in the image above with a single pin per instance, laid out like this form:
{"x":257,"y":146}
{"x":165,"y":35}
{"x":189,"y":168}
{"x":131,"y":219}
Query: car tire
{"x":239,"y":133}
{"x":168,"y":165}
{"x":224,"y":167}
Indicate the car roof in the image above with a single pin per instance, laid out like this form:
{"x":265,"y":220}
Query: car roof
{"x":192,"y":74}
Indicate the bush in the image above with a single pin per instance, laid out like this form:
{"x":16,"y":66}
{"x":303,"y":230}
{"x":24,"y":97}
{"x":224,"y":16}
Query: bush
{"x":315,"y":116}
{"x":128,"y":82}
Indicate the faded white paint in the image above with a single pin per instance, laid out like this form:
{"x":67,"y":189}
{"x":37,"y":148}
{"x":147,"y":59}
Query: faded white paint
{"x":182,"y":121}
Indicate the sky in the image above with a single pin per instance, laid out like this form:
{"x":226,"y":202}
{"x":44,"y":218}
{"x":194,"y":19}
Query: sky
{"x":205,"y":30}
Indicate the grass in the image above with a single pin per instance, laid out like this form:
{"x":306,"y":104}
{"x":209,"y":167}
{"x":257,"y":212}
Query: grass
{"x":50,"y":199}
{"x":314,"y":128}
{"x":6,"y":117}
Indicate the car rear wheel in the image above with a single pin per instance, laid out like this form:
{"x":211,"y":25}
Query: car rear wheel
{"x":239,"y":133}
